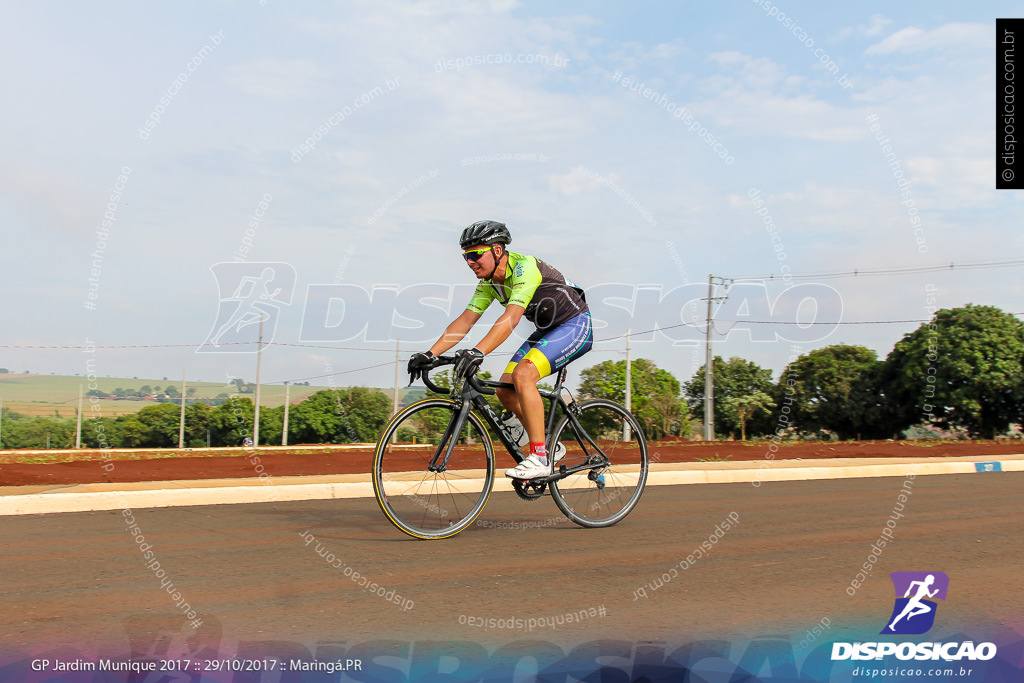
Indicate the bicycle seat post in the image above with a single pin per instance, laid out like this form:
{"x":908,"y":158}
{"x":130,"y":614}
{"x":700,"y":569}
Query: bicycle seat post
{"x":560,"y":380}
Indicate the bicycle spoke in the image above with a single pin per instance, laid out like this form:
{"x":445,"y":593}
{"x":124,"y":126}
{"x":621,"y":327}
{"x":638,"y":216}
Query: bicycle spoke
{"x":420,"y":502}
{"x":606,"y":492}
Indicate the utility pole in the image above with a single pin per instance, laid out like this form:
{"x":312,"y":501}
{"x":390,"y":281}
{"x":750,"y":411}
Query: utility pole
{"x":709,"y":386}
{"x":181,"y":421}
{"x":78,"y":422}
{"x":629,"y":390}
{"x":284,"y":433}
{"x":259,"y":367}
{"x":394,"y":401}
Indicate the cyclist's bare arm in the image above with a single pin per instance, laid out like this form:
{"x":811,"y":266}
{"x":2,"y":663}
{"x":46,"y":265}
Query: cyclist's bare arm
{"x":455,"y":332}
{"x":502,"y":328}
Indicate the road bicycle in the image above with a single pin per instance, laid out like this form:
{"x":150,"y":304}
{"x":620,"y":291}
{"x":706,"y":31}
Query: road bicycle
{"x":433,"y":467}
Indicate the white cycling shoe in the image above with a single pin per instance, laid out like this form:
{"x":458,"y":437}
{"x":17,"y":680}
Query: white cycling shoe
{"x":532,"y":467}
{"x":559,"y":451}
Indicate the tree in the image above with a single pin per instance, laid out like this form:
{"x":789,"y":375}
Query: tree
{"x":131,"y":432}
{"x":655,"y":394}
{"x":271,"y":425}
{"x":231,"y":422}
{"x":736,"y":378}
{"x":964,"y":369}
{"x":353,"y":415}
{"x":100,"y":432}
{"x":673,"y":413}
{"x":197,"y":421}
{"x":162,"y":422}
{"x":837,"y":389}
{"x":39,"y":432}
{"x":745,"y":407}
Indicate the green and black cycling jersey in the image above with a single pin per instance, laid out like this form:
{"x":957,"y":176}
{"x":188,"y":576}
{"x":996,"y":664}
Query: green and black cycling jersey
{"x":550,"y":299}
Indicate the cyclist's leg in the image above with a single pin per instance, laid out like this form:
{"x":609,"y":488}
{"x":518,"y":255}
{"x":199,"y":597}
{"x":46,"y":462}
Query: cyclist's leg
{"x":525,"y":377}
{"x":549,"y":352}
{"x":508,"y":397}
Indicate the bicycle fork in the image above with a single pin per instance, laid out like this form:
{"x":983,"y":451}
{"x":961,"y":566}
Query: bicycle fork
{"x":448,"y":439}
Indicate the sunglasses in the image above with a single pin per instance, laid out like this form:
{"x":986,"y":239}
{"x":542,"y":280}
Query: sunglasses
{"x":475,"y":255}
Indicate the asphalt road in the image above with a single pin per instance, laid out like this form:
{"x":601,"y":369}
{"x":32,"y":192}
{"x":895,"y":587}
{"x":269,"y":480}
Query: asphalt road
{"x":81,"y":581}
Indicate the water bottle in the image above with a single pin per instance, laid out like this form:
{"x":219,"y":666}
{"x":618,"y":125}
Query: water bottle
{"x":515,"y":428}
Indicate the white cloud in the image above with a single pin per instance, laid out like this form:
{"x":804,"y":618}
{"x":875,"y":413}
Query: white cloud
{"x":877,"y":25}
{"x":278,"y":78}
{"x":499,"y":101}
{"x":435,"y":7}
{"x":915,"y":40}
{"x":758,"y":94}
{"x":796,"y":135}
{"x":50,"y":202}
{"x":579,"y":180}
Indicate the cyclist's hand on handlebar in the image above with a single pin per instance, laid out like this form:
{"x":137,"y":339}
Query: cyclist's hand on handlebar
{"x":420,"y":363}
{"x":467,"y":361}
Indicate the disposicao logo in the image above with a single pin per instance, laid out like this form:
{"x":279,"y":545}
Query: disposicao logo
{"x":914,"y":612}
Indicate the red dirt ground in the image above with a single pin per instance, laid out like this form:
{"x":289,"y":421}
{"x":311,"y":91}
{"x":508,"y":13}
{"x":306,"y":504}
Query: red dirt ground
{"x":150,"y":467}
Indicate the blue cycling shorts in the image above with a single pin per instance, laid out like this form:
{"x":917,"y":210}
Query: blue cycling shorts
{"x":552,"y":350}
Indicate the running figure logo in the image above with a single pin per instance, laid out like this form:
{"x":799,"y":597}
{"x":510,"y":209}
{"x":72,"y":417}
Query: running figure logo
{"x":250,"y":293}
{"x":914,"y":612}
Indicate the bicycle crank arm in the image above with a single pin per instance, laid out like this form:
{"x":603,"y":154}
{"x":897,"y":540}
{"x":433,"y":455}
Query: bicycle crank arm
{"x":562,"y":472}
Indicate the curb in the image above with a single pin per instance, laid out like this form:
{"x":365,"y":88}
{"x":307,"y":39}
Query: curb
{"x":31,"y":500}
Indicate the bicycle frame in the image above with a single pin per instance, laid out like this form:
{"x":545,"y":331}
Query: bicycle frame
{"x":470,"y":394}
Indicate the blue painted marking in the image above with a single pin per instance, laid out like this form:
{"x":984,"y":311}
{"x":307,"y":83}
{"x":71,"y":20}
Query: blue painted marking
{"x":988,"y":466}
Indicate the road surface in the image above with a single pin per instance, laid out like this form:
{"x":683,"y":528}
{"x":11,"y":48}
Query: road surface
{"x":255,"y":580}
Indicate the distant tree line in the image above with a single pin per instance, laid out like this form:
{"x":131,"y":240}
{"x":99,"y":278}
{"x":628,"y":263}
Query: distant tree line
{"x":348,"y":415}
{"x":962,"y":372}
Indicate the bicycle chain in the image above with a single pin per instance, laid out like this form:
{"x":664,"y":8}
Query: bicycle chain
{"x":528,"y":490}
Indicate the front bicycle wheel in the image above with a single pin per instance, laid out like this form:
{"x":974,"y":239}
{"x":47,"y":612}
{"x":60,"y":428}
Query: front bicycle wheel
{"x":613,"y":442}
{"x":432,"y":504}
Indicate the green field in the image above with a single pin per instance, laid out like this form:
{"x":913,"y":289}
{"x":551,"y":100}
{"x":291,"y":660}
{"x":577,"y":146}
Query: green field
{"x":57,"y":395}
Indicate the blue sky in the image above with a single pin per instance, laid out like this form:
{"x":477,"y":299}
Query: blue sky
{"x":607,"y":184}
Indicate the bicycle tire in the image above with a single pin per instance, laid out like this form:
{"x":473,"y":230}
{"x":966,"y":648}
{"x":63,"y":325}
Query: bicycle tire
{"x":602,"y":496}
{"x":425,"y":504}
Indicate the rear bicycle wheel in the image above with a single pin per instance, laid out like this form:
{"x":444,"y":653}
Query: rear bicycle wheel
{"x":422,"y":503}
{"x":604,"y":494}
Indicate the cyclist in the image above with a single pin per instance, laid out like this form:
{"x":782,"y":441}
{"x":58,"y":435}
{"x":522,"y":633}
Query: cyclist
{"x":526,"y":287}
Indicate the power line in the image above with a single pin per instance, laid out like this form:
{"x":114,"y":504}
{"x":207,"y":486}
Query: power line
{"x":978,"y":265}
{"x":596,"y":341}
{"x":186,"y":346}
{"x":380,"y":365}
{"x":332,"y":374}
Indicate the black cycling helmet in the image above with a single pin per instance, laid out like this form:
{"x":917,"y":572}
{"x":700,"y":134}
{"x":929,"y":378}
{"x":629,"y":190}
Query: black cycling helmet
{"x":485,"y":232}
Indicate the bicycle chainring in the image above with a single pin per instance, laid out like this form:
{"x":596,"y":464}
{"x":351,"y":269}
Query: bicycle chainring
{"x":528,"y":490}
